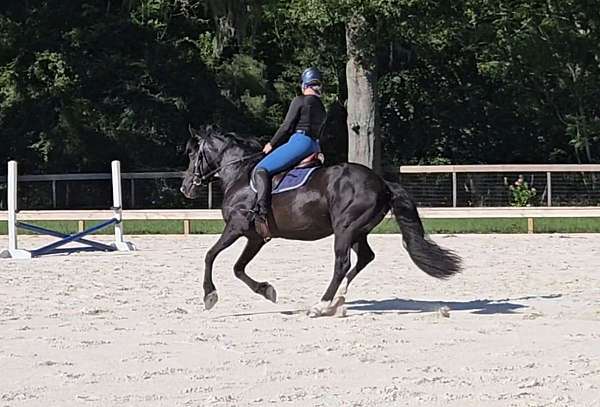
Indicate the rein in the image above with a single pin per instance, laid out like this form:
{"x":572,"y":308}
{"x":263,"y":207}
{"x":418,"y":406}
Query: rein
{"x":199,"y":177}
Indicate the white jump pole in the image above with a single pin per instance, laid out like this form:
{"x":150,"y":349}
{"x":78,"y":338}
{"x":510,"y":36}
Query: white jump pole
{"x":119,"y":243}
{"x":13,"y":249}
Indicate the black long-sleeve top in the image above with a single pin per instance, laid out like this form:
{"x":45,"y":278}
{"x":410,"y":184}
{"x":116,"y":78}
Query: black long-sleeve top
{"x":306,"y":113}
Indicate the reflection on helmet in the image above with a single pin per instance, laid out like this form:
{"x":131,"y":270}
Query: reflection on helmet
{"x":310,"y":76}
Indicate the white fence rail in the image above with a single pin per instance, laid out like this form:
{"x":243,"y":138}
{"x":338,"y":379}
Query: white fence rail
{"x":547,"y":169}
{"x":130,"y":176}
{"x":436,"y":212}
{"x":185,"y":216}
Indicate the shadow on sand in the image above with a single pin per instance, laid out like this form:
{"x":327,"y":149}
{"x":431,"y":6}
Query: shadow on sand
{"x":483,"y":307}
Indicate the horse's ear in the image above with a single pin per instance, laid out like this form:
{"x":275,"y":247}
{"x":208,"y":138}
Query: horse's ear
{"x":193,"y":131}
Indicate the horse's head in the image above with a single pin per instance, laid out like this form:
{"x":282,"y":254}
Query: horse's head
{"x":204,"y":158}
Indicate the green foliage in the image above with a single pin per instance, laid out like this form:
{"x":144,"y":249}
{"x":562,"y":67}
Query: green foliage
{"x":8,"y":88}
{"x":521,"y":194}
{"x":242,"y":81}
{"x":49,"y":75}
{"x":472,"y":81}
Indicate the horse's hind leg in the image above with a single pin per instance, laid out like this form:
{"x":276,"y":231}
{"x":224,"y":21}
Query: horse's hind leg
{"x":342,"y":264}
{"x":252,"y":248}
{"x":364,"y":255}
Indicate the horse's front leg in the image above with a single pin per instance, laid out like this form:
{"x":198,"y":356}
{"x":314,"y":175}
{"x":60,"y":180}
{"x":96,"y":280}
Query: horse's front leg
{"x":250,"y":251}
{"x":229,"y":236}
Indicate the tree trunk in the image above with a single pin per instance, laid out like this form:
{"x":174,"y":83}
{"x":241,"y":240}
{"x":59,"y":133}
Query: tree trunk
{"x":364,"y":144}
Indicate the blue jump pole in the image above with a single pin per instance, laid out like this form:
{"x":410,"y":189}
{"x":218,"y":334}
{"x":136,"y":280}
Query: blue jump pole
{"x":74,"y":237}
{"x":43,"y":231}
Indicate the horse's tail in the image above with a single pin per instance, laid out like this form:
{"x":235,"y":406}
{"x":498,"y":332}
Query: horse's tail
{"x":427,"y":255}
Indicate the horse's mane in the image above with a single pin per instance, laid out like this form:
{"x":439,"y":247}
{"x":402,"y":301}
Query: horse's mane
{"x":247,"y":144}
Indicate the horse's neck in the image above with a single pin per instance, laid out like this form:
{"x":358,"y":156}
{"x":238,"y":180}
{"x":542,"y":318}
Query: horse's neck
{"x":231,"y":174}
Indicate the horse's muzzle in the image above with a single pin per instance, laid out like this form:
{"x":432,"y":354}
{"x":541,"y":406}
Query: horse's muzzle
{"x":185,"y":193}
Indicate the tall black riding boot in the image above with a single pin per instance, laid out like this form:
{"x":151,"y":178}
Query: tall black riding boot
{"x":262,"y":183}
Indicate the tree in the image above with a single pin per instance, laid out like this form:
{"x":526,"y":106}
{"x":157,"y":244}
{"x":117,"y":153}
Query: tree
{"x":549,"y":50}
{"x":362,"y":22}
{"x":412,"y":81}
{"x":364,"y":139}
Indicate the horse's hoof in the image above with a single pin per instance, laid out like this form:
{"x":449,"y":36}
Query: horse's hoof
{"x":337,"y":302}
{"x":210,"y":300}
{"x":328,"y":309}
{"x":340,"y":312}
{"x":318,"y":310}
{"x":271,"y":294}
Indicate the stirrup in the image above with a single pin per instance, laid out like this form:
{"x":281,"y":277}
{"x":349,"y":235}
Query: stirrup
{"x":262,"y":226}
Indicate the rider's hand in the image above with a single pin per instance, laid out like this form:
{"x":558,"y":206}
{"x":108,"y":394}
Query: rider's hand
{"x":267,"y":148}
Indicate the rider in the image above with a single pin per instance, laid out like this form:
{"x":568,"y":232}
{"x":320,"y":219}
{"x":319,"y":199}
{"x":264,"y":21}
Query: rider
{"x":304,"y":119}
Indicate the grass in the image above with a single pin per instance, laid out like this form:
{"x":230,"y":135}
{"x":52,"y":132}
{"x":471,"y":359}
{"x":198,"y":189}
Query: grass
{"x":491,"y":225}
{"x":495,"y":225}
{"x":574,"y":225}
{"x":67,"y":226}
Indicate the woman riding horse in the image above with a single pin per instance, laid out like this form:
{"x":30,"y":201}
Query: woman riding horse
{"x":347,"y":200}
{"x":304,"y":119}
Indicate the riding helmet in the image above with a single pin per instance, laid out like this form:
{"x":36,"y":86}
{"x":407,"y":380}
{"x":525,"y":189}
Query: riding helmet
{"x":310,"y":76}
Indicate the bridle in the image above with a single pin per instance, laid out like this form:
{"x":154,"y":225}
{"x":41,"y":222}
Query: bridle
{"x":200,"y":177}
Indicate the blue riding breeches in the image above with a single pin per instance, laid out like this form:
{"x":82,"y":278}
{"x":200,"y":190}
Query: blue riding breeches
{"x":299,"y":146}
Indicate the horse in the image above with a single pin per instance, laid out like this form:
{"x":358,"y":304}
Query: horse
{"x":347,"y":200}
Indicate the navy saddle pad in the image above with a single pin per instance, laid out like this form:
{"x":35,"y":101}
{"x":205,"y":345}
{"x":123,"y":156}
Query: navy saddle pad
{"x":293,"y":179}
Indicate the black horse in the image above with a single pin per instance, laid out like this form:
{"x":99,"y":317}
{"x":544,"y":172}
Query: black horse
{"x":346,"y":200}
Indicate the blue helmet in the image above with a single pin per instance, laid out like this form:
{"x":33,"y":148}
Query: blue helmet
{"x":310,"y":76}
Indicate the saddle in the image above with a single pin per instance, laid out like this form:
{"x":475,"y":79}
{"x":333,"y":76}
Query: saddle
{"x":295,"y":177}
{"x":289,"y":180}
